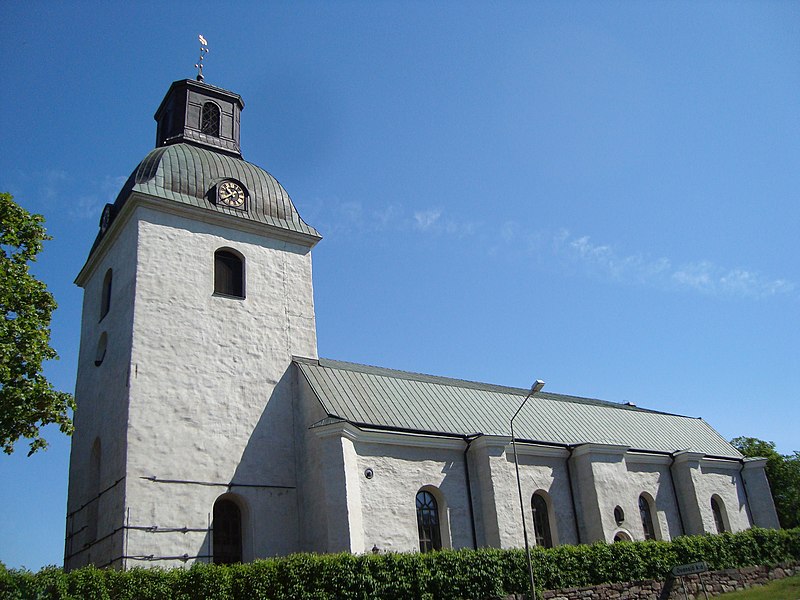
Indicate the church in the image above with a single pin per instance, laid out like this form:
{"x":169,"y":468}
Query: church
{"x":209,"y":430}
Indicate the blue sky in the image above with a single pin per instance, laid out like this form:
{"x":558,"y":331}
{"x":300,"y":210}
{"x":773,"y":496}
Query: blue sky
{"x":600,"y":195}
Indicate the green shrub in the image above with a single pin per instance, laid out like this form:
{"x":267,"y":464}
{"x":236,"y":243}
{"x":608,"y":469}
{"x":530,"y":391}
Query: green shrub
{"x":445,"y":575}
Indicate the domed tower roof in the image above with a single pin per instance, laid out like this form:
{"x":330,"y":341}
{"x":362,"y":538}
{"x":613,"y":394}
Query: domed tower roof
{"x":197,"y":162}
{"x":191,"y":175}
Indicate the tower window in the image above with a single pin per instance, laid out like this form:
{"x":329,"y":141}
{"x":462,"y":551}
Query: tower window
{"x":209,"y":119}
{"x":105,"y":299}
{"x":541,"y":521}
{"x":227,"y":531}
{"x":228,"y":274}
{"x":430,"y":537}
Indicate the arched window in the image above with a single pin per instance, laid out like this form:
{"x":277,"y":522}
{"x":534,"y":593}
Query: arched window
{"x":647,"y":518}
{"x":227,"y":532}
{"x":621,"y":536}
{"x":619,"y":515}
{"x":717,"y":508}
{"x":430,"y":536}
{"x":105,"y":299}
{"x":209,"y":119}
{"x":228,"y":274}
{"x":541,"y":521}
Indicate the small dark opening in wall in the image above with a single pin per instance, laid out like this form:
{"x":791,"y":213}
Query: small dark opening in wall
{"x":228,"y":274}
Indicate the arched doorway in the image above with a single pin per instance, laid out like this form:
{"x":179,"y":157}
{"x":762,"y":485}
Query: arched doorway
{"x":227,"y":532}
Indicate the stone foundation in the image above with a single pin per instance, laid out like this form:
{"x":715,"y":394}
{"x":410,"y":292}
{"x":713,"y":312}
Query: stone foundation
{"x":716,"y":583}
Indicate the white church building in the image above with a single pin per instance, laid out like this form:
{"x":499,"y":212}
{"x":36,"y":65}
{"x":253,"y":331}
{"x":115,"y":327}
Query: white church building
{"x":208,"y":429}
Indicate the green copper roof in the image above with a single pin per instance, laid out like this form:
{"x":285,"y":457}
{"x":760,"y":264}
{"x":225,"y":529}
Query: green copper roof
{"x":384,"y":398}
{"x":188,"y":174}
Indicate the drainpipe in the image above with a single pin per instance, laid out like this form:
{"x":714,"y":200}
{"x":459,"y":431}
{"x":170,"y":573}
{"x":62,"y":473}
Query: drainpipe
{"x":468,"y":439}
{"x":572,"y":494}
{"x":746,"y":495}
{"x":675,"y":492}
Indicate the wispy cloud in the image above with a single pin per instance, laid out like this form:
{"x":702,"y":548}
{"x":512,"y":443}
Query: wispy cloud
{"x":701,"y":276}
{"x":334,"y":216}
{"x":424,"y":220}
{"x":90,"y":205}
{"x":594,"y":259}
{"x":55,"y":189}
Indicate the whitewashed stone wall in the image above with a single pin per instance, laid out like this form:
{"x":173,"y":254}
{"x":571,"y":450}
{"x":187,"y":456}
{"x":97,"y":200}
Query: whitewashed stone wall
{"x":102,"y":410}
{"x":210,"y":387}
{"x":362,"y":512}
{"x":762,"y":506}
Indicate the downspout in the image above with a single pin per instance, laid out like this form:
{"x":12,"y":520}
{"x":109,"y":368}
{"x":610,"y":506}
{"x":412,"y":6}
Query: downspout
{"x":572,"y":494}
{"x":746,"y":495}
{"x":468,"y":439}
{"x":675,"y":492}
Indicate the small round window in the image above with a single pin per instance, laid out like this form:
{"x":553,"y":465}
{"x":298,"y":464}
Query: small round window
{"x":102,"y":345}
{"x":619,"y":515}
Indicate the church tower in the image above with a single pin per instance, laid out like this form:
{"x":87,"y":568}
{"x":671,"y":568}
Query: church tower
{"x":197,"y":293}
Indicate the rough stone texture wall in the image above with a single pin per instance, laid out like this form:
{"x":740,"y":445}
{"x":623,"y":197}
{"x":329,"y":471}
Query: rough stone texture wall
{"x":311,"y":476}
{"x":102,"y":409}
{"x":762,"y":507}
{"x":723,"y":479}
{"x":716,"y":583}
{"x":542,"y":469}
{"x":388,"y":500}
{"x":211,"y":389}
{"x":650,"y":475}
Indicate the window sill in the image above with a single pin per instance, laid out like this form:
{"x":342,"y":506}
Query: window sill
{"x":228,"y":296}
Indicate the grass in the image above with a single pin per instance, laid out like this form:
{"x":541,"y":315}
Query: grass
{"x":783,"y":589}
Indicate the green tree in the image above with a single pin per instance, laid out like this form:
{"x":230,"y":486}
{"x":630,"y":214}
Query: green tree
{"x":27,"y":400}
{"x":783,"y":473}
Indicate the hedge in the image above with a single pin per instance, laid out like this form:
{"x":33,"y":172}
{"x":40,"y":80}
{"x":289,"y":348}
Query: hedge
{"x":445,"y":575}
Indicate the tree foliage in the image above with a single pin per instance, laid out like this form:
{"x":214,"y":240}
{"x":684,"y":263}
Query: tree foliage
{"x":27,"y":400}
{"x":783,"y":473}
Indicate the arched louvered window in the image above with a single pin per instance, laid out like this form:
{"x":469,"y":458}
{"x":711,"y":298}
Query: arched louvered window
{"x":228,"y":274}
{"x":541,"y":521}
{"x":647,"y":518}
{"x":105,"y":299}
{"x":227,"y":532}
{"x":716,"y":508}
{"x":430,"y":536}
{"x":209,"y":119}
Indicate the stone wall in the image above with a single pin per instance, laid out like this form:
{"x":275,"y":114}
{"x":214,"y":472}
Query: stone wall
{"x":716,"y":583}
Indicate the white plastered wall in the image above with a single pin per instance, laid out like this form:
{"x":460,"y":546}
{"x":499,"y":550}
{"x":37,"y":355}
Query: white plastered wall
{"x":762,"y":506}
{"x":101,"y":393}
{"x":211,"y":389}
{"x":723,"y":479}
{"x":380,"y":511}
{"x":541,"y":469}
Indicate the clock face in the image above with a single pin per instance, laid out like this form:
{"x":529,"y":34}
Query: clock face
{"x":231,"y":194}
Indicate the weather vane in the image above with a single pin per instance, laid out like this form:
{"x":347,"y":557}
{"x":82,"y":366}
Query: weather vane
{"x":203,"y":52}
